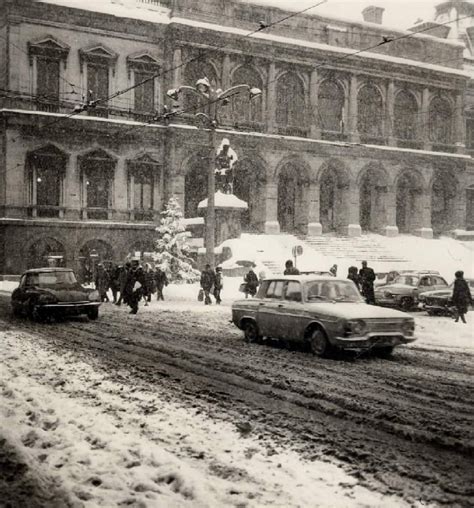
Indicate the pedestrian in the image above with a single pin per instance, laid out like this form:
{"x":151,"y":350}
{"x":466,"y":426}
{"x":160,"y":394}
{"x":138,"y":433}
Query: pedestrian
{"x":251,"y":283}
{"x":114,"y":284}
{"x":218,"y":285}
{"x":102,"y":282}
{"x":462,"y":297}
{"x":290,"y":269}
{"x":161,"y":280}
{"x":134,"y":285}
{"x":149,"y":286}
{"x":367,"y":278}
{"x":333,"y":270}
{"x":208,"y":278}
{"x":122,"y":282}
{"x":353,"y":275}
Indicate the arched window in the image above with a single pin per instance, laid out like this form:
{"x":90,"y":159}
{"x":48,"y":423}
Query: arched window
{"x":46,"y":169}
{"x":405,"y":116}
{"x":194,"y":70}
{"x":440,"y":118}
{"x":370,"y":113}
{"x":291,"y":105}
{"x":143,"y":174}
{"x":45,"y":252}
{"x":243,"y":109}
{"x":331,"y":105}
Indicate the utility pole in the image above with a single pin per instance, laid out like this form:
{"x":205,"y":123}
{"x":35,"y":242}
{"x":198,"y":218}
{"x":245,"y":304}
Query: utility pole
{"x":214,"y":99}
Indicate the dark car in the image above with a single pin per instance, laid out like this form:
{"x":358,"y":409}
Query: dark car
{"x":53,"y":292}
{"x":326,"y":312}
{"x":441,"y":301}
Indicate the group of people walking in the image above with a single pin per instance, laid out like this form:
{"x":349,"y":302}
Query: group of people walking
{"x":211,"y":283}
{"x":130,"y":282}
{"x":364,"y":279}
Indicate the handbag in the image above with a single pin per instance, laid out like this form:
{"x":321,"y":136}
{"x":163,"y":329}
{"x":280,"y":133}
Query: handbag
{"x":201,"y":295}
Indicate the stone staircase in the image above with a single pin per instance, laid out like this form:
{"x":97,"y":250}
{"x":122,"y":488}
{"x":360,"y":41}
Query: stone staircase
{"x":357,"y":248}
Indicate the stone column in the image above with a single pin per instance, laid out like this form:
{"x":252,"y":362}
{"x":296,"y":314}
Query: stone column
{"x":315,"y":126}
{"x":390,"y":112}
{"x":390,"y":202}
{"x":353,"y":132}
{"x":120,"y":197}
{"x":178,"y":74}
{"x":225,"y":113}
{"x":271,"y":99}
{"x":72,"y":189}
{"x":425,"y":231}
{"x":177,"y":189}
{"x":353,"y":205}
{"x":314,"y":226}
{"x":272,"y":227}
{"x":459,"y":124}
{"x":461,"y":208}
{"x":425,"y":119}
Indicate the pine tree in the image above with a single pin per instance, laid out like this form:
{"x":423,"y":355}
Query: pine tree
{"x":171,"y":248}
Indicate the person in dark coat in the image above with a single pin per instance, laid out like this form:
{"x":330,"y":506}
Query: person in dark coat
{"x":161,"y":280}
{"x":251,"y":283}
{"x":333,"y":270}
{"x":218,"y":285}
{"x":367,"y":278}
{"x":353,"y":275}
{"x":134,"y":286}
{"x":102,"y":282}
{"x":290,"y":269}
{"x":122,"y":282}
{"x":462,"y":297}
{"x":208,"y":279}
{"x":149,"y":286}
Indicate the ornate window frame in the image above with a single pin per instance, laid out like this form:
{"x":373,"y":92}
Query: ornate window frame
{"x":144,"y":61}
{"x":134,"y":168}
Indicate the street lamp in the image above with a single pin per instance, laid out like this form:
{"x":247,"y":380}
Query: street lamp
{"x":215,"y":98}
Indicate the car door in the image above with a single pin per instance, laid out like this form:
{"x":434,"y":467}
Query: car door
{"x":424,"y":284}
{"x":439,"y":283}
{"x":292,"y":319}
{"x":269,"y":309}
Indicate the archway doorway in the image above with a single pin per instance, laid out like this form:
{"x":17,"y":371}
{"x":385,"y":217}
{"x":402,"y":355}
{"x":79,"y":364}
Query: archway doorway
{"x":443,"y":201}
{"x":249,"y":185}
{"x":46,"y":252}
{"x":372,"y":191}
{"x":333,"y":188}
{"x":408,"y":200}
{"x":292,"y":186}
{"x":91,"y":254}
{"x":195,"y":185}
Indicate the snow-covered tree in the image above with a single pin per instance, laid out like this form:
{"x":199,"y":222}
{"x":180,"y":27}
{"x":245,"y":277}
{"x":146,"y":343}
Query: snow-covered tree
{"x":171,"y":248}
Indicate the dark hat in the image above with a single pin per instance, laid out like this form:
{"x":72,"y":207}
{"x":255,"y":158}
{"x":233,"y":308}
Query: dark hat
{"x":219,"y":269}
{"x":459,"y":274}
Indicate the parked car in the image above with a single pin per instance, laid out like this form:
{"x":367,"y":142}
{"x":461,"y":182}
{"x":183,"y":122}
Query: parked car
{"x":46,"y":292}
{"x":326,"y":312}
{"x":405,"y":290}
{"x":316,"y":272}
{"x":441,"y":301}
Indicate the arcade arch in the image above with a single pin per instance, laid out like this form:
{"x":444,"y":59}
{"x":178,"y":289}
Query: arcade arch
{"x":46,"y":252}
{"x":373,"y":185}
{"x":292,"y":200}
{"x":333,"y":189}
{"x":409,"y":189}
{"x":91,"y":254}
{"x":444,"y":189}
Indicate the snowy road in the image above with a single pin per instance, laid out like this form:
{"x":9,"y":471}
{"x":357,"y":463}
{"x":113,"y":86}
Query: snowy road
{"x":359,"y":431}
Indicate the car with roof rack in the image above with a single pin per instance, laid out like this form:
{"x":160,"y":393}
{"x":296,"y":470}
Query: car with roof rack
{"x":48,"y":292}
{"x":325,"y":312}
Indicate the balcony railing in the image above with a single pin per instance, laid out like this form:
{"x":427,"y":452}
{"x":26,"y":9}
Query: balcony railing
{"x":443,"y":147}
{"x":45,"y":211}
{"x":291,"y":130}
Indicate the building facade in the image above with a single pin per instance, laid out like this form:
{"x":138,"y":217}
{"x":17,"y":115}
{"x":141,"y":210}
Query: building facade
{"x":358,"y":128}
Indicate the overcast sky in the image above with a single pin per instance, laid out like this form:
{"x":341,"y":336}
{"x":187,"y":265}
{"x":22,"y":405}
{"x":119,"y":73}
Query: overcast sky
{"x":398,"y":13}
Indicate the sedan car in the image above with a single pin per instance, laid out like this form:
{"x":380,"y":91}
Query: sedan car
{"x":441,"y":301}
{"x":405,"y":290}
{"x":53,"y":292}
{"x":325,"y":312}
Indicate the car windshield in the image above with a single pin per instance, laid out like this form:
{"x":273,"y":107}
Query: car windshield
{"x":335,"y":291}
{"x":51,"y":279}
{"x":409,"y":280}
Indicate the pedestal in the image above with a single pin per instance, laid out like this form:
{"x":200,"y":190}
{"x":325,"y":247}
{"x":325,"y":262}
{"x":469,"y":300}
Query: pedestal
{"x":424,"y":233}
{"x":354,"y":230}
{"x":272,"y":228}
{"x":391,"y":231}
{"x":315,"y":229}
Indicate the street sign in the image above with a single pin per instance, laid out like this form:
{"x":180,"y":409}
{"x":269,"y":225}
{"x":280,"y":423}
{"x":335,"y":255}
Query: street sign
{"x":297,"y":250}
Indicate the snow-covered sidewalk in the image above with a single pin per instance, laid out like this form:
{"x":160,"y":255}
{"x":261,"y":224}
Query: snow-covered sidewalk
{"x":110,"y":441}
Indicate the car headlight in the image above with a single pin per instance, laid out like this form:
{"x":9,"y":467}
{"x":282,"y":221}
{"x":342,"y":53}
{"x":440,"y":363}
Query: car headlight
{"x":387,"y":294}
{"x":408,"y":327}
{"x":46,"y":298}
{"x":93,"y":296}
{"x":355,"y":327}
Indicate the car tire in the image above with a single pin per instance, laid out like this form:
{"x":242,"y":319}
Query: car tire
{"x":251,"y":333}
{"x":406,"y":303}
{"x":318,"y":342}
{"x":93,"y":314}
{"x":384,"y":352}
{"x":432,"y":312}
{"x":16,"y":311}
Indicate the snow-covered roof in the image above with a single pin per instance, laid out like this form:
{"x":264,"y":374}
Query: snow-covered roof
{"x":222,"y":200}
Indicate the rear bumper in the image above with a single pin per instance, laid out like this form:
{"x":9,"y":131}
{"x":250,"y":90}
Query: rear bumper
{"x":370,"y":340}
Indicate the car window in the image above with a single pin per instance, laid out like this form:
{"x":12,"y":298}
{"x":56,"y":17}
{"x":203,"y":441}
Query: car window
{"x":22,"y":281}
{"x":439,"y":281}
{"x":262,"y":289}
{"x":293,"y":291}
{"x":32,"y":279}
{"x":338,"y":291}
{"x":275,"y":289}
{"x":425,"y":281}
{"x":51,"y":279}
{"x":408,"y":280}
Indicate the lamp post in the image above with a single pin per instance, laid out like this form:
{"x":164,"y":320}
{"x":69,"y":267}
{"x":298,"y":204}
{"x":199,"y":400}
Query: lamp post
{"x":214,"y":99}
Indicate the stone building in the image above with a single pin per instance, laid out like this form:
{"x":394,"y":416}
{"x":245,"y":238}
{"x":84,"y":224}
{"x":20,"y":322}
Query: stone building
{"x":358,"y":128}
